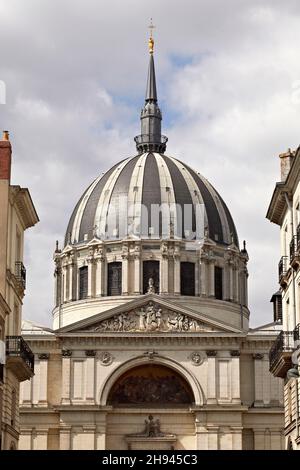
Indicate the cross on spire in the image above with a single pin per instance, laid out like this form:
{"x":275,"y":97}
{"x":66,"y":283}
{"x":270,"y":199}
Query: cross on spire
{"x":151,"y":40}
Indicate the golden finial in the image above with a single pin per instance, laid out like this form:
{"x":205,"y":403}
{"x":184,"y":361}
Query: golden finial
{"x":151,"y":40}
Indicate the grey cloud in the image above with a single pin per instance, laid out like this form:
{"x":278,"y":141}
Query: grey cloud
{"x":75,"y":73}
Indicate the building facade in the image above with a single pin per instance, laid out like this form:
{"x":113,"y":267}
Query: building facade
{"x":16,"y":359}
{"x":284,"y":210}
{"x":151,"y":346}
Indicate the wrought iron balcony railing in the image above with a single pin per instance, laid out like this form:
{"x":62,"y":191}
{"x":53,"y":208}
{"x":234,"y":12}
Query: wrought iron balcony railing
{"x":280,"y":353}
{"x":20,"y":273}
{"x":298,"y":236}
{"x":16,"y":347}
{"x":297,"y":333}
{"x":293,"y":245}
{"x":282,"y":267}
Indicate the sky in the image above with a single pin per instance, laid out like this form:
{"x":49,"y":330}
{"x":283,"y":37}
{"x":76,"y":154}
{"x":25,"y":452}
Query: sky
{"x":75,"y":72}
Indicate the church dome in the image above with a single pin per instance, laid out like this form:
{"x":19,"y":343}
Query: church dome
{"x":121,"y":201}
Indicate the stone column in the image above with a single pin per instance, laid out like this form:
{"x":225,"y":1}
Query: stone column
{"x":203,"y":276}
{"x":65,"y":272}
{"x":235,"y":376}
{"x":100,"y":434}
{"x":99,"y":276}
{"x":25,"y":442}
{"x":66,"y":377}
{"x":201,"y":431}
{"x":259,"y":439}
{"x":26,"y":389}
{"x":43,"y":398}
{"x":246,"y":286}
{"x":258,"y":379}
{"x":266,"y":384}
{"x":276,"y":439}
{"x":70,"y":281}
{"x":164,"y":269}
{"x":90,"y":375}
{"x":176,"y":273}
{"x":58,"y":285}
{"x":236,"y":284}
{"x":65,"y":438}
{"x":211,"y":377}
{"x":137,"y":270}
{"x":36,"y":381}
{"x":91,"y":276}
{"x":125,"y":263}
{"x":236,"y":437}
{"x":213,"y":437}
{"x":211,"y":270}
{"x":40,"y":441}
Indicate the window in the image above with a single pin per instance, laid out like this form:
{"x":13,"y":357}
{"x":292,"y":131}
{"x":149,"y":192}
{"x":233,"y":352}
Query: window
{"x":187,"y":278}
{"x":83,"y":282}
{"x":114,"y":279}
{"x":218,"y":283}
{"x":151,"y":271}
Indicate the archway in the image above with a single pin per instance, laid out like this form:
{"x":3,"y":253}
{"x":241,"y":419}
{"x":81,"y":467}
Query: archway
{"x":150,"y":385}
{"x":143,"y":389}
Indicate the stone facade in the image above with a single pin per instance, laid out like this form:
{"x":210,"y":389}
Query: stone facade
{"x":16,"y":215}
{"x":235,"y":404}
{"x":284,"y":210}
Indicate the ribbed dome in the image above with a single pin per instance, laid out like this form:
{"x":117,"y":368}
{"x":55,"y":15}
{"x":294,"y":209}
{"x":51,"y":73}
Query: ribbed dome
{"x":146,"y":181}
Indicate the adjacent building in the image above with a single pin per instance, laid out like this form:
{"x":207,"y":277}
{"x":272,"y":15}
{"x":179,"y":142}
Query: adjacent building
{"x":151,"y":346}
{"x":284,"y":210}
{"x":17,"y":213}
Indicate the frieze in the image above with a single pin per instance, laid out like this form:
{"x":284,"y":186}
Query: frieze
{"x":150,"y":318}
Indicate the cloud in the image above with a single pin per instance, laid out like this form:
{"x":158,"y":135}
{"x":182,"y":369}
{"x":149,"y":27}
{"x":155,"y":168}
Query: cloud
{"x":75,"y":74}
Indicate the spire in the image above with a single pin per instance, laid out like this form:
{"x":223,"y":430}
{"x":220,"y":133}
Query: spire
{"x":151,"y":139}
{"x":151,"y":93}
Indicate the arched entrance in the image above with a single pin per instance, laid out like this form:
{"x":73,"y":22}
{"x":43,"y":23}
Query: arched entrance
{"x":151,"y":385}
{"x":150,"y":393}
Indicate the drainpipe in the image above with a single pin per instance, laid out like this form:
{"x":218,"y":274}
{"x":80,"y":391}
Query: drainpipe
{"x":293,"y":273}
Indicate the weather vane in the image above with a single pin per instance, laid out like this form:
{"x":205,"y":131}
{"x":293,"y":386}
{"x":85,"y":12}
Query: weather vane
{"x":151,"y":40}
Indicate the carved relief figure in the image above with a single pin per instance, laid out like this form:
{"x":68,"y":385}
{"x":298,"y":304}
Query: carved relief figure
{"x":150,"y":319}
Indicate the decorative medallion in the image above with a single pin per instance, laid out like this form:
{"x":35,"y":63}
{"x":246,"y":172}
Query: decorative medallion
{"x":106,"y":358}
{"x":197,"y":358}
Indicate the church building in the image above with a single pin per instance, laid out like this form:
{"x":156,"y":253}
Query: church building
{"x":151,"y":346}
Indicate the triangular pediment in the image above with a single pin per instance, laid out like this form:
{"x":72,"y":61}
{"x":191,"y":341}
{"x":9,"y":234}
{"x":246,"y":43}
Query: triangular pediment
{"x":149,"y":314}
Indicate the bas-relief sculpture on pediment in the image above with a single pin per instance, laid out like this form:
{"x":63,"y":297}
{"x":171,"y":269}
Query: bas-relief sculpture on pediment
{"x":150,"y":318}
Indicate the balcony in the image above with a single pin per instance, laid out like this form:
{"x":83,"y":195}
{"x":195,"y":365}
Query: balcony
{"x":19,"y":357}
{"x":295,"y":252}
{"x":280,"y":355}
{"x":20,"y":274}
{"x":151,"y":142}
{"x":297,"y":335}
{"x":283,"y":271}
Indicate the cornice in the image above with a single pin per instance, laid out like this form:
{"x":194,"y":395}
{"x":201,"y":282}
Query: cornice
{"x":277,"y":207}
{"x":21,"y":199}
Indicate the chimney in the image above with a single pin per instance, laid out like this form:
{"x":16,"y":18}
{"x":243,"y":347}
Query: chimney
{"x":286,"y":160}
{"x":5,"y":157}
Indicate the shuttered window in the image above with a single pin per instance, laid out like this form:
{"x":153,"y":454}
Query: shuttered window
{"x":218,"y":283}
{"x":114,"y":278}
{"x":83,"y":282}
{"x":187,"y":278}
